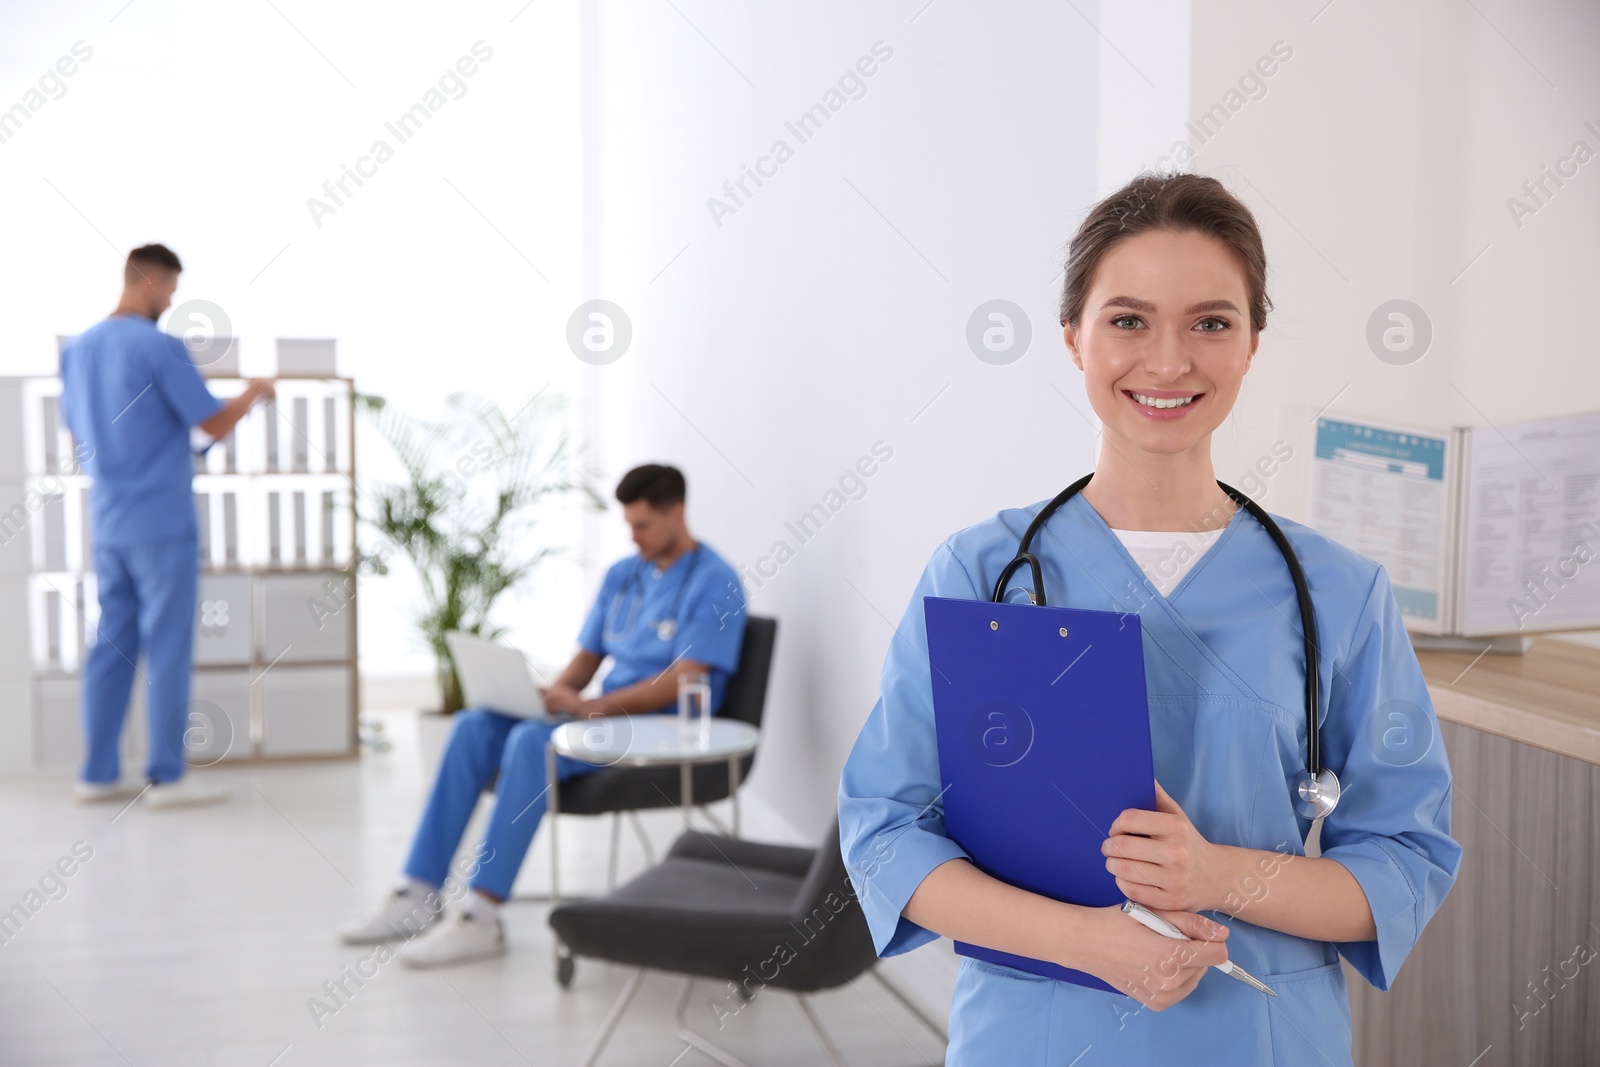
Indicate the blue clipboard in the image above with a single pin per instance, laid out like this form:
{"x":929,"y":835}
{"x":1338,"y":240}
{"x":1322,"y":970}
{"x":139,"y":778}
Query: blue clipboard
{"x":1044,"y":739}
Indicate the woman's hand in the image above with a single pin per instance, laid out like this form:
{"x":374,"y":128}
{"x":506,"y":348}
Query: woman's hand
{"x":1161,"y":861}
{"x":1156,"y":971}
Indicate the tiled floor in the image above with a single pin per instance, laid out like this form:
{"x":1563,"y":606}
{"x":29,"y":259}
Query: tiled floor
{"x":199,"y":937}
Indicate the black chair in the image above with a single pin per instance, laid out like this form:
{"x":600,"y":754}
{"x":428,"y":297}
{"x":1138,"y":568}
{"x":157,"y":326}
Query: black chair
{"x":623,"y":789}
{"x":618,"y":789}
{"x":739,"y":912}
{"x":615,"y":790}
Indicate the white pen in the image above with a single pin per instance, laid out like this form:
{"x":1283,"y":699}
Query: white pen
{"x":1166,"y":929}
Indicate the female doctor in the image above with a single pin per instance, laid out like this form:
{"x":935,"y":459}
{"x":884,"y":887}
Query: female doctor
{"x":1163,"y":305}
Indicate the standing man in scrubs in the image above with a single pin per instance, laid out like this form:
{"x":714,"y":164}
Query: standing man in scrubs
{"x":1162,"y":309}
{"x":131,"y":396}
{"x":675,"y":608}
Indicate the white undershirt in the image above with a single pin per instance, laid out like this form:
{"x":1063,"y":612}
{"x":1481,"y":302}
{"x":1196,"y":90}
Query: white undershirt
{"x":1166,"y":556}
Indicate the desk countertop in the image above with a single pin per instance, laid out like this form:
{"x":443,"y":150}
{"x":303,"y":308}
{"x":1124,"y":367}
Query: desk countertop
{"x":1548,"y":697}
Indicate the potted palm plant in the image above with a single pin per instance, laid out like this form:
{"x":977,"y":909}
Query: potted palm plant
{"x":466,"y":513}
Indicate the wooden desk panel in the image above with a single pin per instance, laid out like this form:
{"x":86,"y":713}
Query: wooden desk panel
{"x":1524,"y":915}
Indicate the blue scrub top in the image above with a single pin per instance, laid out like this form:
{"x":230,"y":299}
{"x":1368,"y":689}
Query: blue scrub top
{"x":1224,"y":677}
{"x":130,"y":394}
{"x":635,"y":597}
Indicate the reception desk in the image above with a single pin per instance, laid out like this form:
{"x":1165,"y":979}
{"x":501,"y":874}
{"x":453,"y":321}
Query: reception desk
{"x":1508,"y":972}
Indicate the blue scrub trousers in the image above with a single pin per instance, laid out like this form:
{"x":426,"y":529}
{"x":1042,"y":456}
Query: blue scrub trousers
{"x":147,"y":602}
{"x":482,"y":742}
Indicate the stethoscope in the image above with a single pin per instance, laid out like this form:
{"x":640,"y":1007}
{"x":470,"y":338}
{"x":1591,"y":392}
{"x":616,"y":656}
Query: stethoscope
{"x":1317,"y":788}
{"x":634,"y":593}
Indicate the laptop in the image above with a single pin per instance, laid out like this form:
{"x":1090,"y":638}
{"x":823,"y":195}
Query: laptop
{"x":496,"y":677}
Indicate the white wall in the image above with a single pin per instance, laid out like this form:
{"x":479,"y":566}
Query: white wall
{"x":829,"y":312}
{"x":1379,"y":164}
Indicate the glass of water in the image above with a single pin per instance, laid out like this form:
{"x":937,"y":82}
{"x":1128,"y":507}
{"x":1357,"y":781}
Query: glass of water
{"x":694,"y":704}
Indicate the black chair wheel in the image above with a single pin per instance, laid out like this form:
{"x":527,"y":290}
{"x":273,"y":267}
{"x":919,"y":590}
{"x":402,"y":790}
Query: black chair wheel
{"x":565,"y":966}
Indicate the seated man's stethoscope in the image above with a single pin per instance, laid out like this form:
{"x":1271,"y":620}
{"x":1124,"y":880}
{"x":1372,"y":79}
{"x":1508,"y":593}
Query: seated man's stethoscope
{"x":634,"y":592}
{"x":1317,"y":789}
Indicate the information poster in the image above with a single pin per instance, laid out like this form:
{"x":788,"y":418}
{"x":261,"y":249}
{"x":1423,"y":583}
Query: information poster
{"x":1533,"y":527}
{"x":1382,"y":490}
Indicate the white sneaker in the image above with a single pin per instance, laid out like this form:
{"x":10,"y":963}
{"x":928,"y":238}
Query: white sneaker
{"x":185,"y":792}
{"x":403,"y":916}
{"x":462,"y":936}
{"x":99,"y":792}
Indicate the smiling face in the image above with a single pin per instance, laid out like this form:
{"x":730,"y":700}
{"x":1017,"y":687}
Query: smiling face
{"x":1166,"y":319}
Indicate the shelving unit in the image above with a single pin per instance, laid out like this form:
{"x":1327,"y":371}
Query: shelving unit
{"x":275,"y":627}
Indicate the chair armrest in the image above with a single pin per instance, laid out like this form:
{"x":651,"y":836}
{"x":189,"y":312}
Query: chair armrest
{"x":784,"y":859}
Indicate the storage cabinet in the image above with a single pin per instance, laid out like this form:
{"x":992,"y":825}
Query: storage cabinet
{"x":275,"y":624}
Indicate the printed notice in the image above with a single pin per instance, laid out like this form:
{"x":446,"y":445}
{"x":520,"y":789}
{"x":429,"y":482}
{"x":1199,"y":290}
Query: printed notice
{"x":1382,"y":490}
{"x":1533,"y":527}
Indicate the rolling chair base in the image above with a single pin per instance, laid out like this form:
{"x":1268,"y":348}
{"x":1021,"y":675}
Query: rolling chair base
{"x":565,"y":964}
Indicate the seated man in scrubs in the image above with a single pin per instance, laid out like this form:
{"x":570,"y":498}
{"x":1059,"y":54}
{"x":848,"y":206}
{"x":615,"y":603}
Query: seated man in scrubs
{"x":1162,"y":309}
{"x":130,"y":395}
{"x":675,"y":608}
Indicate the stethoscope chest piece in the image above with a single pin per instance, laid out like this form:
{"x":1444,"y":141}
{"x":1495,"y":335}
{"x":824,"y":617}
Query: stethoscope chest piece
{"x":1315,"y":798}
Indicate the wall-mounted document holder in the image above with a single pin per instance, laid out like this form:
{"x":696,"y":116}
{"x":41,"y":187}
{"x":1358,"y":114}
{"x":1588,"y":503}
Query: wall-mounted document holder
{"x":1488,"y":535}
